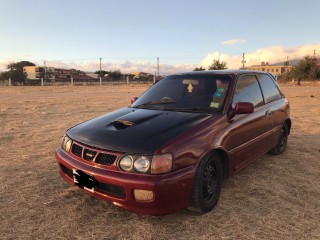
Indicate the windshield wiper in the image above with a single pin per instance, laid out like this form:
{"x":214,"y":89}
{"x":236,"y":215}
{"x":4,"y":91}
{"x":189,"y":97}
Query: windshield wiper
{"x":183,"y":109}
{"x":189,"y":109}
{"x":157,"y":102}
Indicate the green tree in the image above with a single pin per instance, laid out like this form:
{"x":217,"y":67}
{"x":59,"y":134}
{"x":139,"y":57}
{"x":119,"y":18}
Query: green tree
{"x":115,"y":75}
{"x":306,"y":69}
{"x":75,"y":71}
{"x":217,"y":65}
{"x":15,"y":72}
{"x":199,"y":69}
{"x":103,"y":72}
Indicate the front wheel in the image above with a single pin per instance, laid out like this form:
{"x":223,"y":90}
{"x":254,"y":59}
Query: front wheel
{"x":282,"y":142}
{"x":207,"y":185}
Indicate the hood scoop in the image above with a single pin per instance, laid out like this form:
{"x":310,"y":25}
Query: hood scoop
{"x":121,"y":124}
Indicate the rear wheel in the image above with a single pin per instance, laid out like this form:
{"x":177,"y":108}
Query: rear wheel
{"x":207,"y":185}
{"x":282,"y":142}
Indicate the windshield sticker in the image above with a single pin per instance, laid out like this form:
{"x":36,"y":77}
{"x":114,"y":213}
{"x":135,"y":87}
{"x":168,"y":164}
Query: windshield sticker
{"x":218,"y":94}
{"x":220,"y":90}
{"x":188,"y":81}
{"x":214,"y":105}
{"x":190,"y":87}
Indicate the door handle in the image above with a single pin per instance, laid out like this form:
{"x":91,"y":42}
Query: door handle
{"x":268,"y":113}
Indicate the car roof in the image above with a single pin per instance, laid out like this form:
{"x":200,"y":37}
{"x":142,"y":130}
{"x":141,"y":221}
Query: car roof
{"x":218,"y":72}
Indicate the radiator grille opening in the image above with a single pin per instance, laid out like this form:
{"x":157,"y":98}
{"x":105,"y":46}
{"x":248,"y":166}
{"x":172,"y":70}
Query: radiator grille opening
{"x":76,"y":150}
{"x":89,"y":155}
{"x":105,"y":159}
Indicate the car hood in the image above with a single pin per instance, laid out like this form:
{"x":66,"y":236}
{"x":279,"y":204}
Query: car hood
{"x":133,"y":130}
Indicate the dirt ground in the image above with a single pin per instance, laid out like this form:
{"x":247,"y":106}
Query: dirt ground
{"x":277,"y":197}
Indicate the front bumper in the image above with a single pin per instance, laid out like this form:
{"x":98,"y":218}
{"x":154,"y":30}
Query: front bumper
{"x":171,"y":190}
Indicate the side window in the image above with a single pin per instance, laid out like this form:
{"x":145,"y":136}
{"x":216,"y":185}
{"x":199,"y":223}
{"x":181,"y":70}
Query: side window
{"x":248,"y":90}
{"x":269,"y":88}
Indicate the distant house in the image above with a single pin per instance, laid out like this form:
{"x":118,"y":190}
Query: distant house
{"x":93,"y":75}
{"x":57,"y":74}
{"x":62,"y":74}
{"x":36,"y":73}
{"x":140,"y":74}
{"x":276,"y":70}
{"x":48,"y":73}
{"x":82,"y":77}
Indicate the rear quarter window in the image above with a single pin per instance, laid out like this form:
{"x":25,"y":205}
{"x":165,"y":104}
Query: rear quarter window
{"x":269,"y":88}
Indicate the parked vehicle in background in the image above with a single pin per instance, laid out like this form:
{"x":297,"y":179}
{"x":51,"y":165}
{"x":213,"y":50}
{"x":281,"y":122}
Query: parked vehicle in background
{"x":172,"y":148}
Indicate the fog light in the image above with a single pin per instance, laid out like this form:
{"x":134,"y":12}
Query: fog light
{"x":143,"y":195}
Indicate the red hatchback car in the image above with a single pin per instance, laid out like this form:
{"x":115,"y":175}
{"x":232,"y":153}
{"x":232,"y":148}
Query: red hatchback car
{"x":172,"y":148}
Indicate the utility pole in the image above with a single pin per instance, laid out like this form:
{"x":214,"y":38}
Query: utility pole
{"x":243,"y":60}
{"x":158,"y":66}
{"x":314,"y":53}
{"x":100,"y":72}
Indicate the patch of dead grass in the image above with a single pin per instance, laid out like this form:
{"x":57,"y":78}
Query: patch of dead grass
{"x":273,"y":198}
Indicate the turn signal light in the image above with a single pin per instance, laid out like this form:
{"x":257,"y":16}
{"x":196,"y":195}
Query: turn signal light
{"x":161,"y":163}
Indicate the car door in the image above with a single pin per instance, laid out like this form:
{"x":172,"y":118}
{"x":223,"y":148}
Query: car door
{"x":248,"y":138}
{"x":274,"y":103}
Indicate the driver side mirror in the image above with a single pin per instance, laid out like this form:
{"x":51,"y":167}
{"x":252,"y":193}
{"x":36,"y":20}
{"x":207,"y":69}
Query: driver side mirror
{"x":242,"y":108}
{"x":133,"y":99}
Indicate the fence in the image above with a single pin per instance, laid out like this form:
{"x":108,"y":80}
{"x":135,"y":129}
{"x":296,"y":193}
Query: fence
{"x":75,"y":82}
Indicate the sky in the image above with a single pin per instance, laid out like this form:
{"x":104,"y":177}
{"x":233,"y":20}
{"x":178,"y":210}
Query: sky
{"x":129,"y":35}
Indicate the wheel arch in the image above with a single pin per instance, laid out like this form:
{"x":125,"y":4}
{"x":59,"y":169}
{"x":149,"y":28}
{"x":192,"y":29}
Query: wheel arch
{"x":288,"y":122}
{"x":224,"y":160}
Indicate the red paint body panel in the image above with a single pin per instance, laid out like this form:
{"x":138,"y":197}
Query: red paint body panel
{"x":171,"y":190}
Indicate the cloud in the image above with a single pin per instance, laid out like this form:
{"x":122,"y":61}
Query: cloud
{"x":233,"y":41}
{"x":272,"y":55}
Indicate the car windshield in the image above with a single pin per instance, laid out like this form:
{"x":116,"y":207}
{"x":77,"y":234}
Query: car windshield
{"x":204,"y":93}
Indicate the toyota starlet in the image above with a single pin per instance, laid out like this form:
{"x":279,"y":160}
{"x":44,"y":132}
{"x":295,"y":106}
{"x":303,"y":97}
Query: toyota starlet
{"x":173,"y":146}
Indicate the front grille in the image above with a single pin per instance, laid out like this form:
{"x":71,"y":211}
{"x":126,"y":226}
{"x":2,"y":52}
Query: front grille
{"x":89,"y":155}
{"x":66,"y":170}
{"x":93,"y":155}
{"x":111,"y":190}
{"x":76,"y":150}
{"x":105,"y":159}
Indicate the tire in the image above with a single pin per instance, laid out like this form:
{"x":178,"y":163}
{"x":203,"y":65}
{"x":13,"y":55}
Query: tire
{"x":282,"y":142}
{"x":207,"y":185}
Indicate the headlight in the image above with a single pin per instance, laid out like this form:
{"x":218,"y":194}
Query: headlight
{"x":66,"y":143}
{"x":126,"y":163}
{"x":141,"y":164}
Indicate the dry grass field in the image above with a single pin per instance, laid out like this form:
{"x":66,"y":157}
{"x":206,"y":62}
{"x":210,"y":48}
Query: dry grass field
{"x":277,"y":197}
